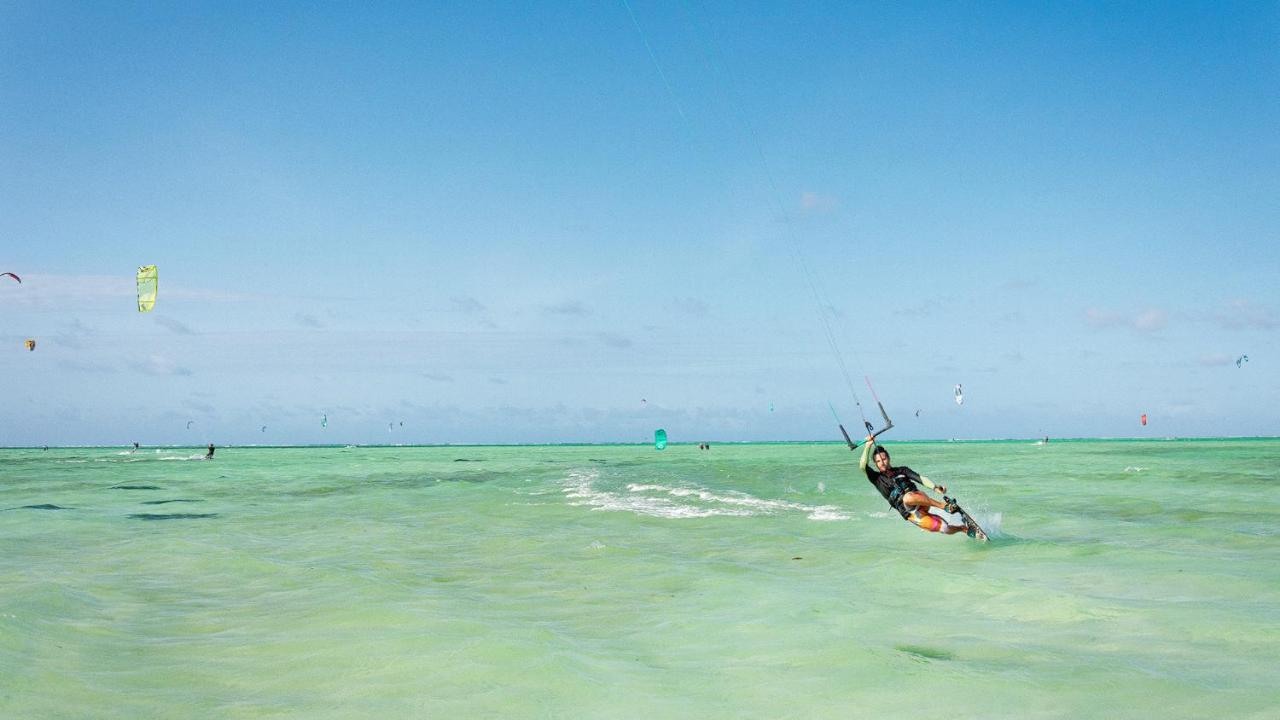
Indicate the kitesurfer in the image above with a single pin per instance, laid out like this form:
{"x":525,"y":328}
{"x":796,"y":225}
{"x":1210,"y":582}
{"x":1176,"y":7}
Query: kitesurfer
{"x":209,"y":455}
{"x":898,"y":486}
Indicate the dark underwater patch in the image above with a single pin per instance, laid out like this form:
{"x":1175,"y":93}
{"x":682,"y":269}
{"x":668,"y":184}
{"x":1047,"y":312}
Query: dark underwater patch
{"x":926,"y":653}
{"x":44,"y":506}
{"x":172,"y":516}
{"x":466,"y":460}
{"x":135,"y":487}
{"x":162,"y":502}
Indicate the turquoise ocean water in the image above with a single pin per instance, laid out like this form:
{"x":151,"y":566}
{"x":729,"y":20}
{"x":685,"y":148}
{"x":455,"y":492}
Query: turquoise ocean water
{"x":1124,"y":580}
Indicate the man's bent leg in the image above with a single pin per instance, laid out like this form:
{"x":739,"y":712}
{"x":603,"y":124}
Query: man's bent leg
{"x":916,"y":500}
{"x":932,"y":523}
{"x":927,"y":522}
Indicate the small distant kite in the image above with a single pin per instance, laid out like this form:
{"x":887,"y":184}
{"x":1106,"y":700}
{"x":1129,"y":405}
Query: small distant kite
{"x":660,"y":439}
{"x":264,"y":428}
{"x":189,"y":423}
{"x":959,"y":395}
{"x":1143,"y":419}
{"x":1242,"y":360}
{"x":770,"y":407}
{"x":30,"y":345}
{"x":917,"y":413}
{"x":148,"y":283}
{"x":324,"y":421}
{"x":15,"y":277}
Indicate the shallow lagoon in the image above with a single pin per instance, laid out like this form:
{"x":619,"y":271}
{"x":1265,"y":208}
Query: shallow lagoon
{"x":1125,"y":579}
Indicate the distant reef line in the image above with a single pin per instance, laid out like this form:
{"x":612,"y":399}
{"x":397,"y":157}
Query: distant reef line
{"x":895,"y":441}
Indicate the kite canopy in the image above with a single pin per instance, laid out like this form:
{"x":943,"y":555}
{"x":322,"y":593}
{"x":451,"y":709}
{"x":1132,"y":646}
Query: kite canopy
{"x":1242,"y":360}
{"x":660,"y":439}
{"x":15,"y":277}
{"x":30,"y":345}
{"x":1143,"y":419}
{"x":147,"y":286}
{"x":324,"y":421}
{"x":959,"y":395}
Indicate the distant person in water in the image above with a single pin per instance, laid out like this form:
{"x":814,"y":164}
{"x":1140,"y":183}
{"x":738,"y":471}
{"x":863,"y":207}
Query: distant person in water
{"x":209,"y":455}
{"x":898,"y":486}
{"x":135,"y":446}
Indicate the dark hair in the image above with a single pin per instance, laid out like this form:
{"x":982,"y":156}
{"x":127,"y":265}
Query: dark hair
{"x":880,"y":449}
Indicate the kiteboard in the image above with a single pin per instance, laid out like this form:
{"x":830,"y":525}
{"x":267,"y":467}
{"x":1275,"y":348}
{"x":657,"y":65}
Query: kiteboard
{"x":978,"y":533}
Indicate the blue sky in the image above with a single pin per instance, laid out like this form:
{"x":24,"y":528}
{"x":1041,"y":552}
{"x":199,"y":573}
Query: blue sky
{"x":538,"y":223}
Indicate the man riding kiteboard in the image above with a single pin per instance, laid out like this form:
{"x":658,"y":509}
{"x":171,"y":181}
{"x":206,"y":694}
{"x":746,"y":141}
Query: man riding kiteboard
{"x":898,"y":486}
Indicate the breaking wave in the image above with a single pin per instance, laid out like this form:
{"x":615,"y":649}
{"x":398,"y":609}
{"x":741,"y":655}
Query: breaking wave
{"x":583,"y":488}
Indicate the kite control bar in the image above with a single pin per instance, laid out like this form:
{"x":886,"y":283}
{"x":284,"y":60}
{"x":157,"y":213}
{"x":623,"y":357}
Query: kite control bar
{"x":888,"y":424}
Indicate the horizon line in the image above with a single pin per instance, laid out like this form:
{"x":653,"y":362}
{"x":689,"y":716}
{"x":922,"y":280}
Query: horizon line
{"x":1037,"y":440}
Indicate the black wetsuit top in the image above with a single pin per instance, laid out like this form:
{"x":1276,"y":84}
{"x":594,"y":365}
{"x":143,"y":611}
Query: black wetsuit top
{"x":894,"y":484}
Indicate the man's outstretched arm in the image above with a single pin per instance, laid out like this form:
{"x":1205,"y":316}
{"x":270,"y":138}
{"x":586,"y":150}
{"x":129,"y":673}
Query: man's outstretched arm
{"x":866,"y":452}
{"x":930,"y":484}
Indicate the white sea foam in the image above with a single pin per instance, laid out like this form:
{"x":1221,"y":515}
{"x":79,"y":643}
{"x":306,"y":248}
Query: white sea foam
{"x":683,"y":502}
{"x":991,"y":523}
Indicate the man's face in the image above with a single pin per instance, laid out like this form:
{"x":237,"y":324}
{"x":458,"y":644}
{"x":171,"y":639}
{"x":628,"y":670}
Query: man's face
{"x":882,"y":461}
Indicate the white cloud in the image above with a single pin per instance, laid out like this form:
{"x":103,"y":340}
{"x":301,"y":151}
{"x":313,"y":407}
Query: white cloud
{"x":688,"y":306}
{"x":1246,"y":315}
{"x":160,"y":365}
{"x":308,"y":320}
{"x":1151,"y":320}
{"x":614,"y":341}
{"x":568,"y":307}
{"x":66,"y":291}
{"x":466,"y":304}
{"x":1146,"y":321}
{"x":174,"y":325}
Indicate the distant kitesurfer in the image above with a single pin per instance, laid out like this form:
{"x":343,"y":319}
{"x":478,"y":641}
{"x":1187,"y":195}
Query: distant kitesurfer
{"x":898,"y":486}
{"x":209,"y":455}
{"x":135,"y":446}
